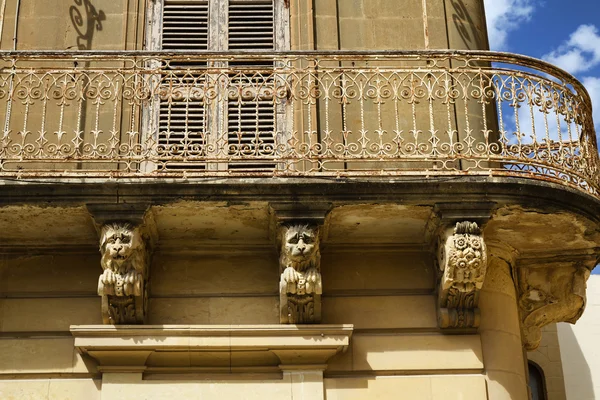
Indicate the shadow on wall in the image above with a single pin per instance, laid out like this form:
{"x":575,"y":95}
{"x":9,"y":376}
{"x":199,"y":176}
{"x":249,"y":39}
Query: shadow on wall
{"x":86,"y":20}
{"x":578,"y":377}
{"x":466,"y":27}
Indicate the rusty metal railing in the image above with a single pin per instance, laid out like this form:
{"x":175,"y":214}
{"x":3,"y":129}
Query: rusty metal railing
{"x":183,"y":115}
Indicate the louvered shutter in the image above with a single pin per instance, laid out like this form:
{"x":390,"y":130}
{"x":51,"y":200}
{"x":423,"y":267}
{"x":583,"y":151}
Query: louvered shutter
{"x":183,"y":113}
{"x":248,"y":104}
{"x":250,"y":110}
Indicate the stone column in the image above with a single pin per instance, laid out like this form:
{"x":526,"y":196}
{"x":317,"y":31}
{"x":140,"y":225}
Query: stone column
{"x":500,"y":332}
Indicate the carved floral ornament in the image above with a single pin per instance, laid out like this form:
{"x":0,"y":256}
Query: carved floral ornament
{"x":462,"y":259}
{"x":123,"y":283}
{"x":300,"y":286}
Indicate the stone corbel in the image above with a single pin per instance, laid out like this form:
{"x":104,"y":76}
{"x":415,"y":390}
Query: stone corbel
{"x":548,"y":295}
{"x":462,"y":261}
{"x":300,"y":284}
{"x":126,"y":241}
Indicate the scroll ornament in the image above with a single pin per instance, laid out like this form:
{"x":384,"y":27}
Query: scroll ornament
{"x":549,"y":295}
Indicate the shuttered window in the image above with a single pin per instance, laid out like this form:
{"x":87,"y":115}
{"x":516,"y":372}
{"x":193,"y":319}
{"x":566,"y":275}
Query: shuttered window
{"x":251,"y":25}
{"x":251,"y":118}
{"x":247,"y":110}
{"x":183,"y":117}
{"x":185,"y":25}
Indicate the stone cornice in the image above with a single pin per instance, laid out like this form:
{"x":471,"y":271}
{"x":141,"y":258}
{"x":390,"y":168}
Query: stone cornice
{"x":132,"y":348}
{"x":407,"y":191}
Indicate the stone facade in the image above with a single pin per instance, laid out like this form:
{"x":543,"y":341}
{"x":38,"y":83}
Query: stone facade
{"x":285,"y":287}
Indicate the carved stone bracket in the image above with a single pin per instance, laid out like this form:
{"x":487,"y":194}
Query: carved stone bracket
{"x":300,"y":284}
{"x":125,"y":247}
{"x":547,"y":295}
{"x":462,"y":260}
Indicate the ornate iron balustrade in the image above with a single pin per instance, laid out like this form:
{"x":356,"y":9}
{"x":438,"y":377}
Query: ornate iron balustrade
{"x":185,"y":115}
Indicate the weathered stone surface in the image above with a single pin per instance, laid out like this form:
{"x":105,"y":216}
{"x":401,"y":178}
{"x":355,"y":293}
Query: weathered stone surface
{"x":547,"y":295}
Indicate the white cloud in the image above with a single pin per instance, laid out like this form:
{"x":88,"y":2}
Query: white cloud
{"x":504,"y":16}
{"x":592,"y":84}
{"x":580,"y":53}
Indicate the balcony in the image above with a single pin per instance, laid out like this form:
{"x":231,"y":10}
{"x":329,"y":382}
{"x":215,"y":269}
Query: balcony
{"x":171,"y":115}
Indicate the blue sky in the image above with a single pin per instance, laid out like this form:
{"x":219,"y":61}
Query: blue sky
{"x":565,"y":34}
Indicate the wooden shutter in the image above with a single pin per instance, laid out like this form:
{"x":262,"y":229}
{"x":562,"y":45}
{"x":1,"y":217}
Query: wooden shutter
{"x":248,"y":106}
{"x":183,"y":113}
{"x":185,"y":25}
{"x":250,"y":110}
{"x":251,"y":25}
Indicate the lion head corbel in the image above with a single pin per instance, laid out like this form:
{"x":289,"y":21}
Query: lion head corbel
{"x":124,"y":259}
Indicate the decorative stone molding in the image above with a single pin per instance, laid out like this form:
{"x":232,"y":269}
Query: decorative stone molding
{"x":462,"y":260}
{"x":300,"y":285}
{"x":239,"y":348}
{"x":123,"y":283}
{"x":547,"y":295}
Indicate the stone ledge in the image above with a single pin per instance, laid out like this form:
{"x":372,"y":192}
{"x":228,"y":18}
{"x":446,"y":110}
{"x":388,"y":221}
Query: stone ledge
{"x":132,"y":348}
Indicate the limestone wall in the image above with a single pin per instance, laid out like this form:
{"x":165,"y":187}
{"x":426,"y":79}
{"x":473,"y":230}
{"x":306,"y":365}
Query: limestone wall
{"x":387,"y":295}
{"x":73,"y":25}
{"x":388,"y":24}
{"x":579,"y":351}
{"x":322,"y":25}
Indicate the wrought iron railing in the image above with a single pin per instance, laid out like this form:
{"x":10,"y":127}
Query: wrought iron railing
{"x":184,"y":115}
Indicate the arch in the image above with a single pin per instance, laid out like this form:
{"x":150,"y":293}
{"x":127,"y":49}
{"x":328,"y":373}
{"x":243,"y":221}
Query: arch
{"x":537,"y":381}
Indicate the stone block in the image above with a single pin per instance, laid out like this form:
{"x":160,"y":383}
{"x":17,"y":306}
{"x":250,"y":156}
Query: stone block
{"x":178,"y":311}
{"x":49,"y":314}
{"x":381,"y":270}
{"x":52,"y":355}
{"x":351,"y":8}
{"x":385,"y":8}
{"x":50,"y":274}
{"x":24,"y":389}
{"x":506,"y":354}
{"x":505,"y":319}
{"x":416,"y":352}
{"x":413,"y":388}
{"x":214,"y":310}
{"x":381,"y":312}
{"x":74,"y":389}
{"x":185,"y":275}
{"x":244,"y":310}
{"x":458,"y":387}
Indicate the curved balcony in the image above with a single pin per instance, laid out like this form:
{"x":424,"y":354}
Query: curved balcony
{"x":339,"y":114}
